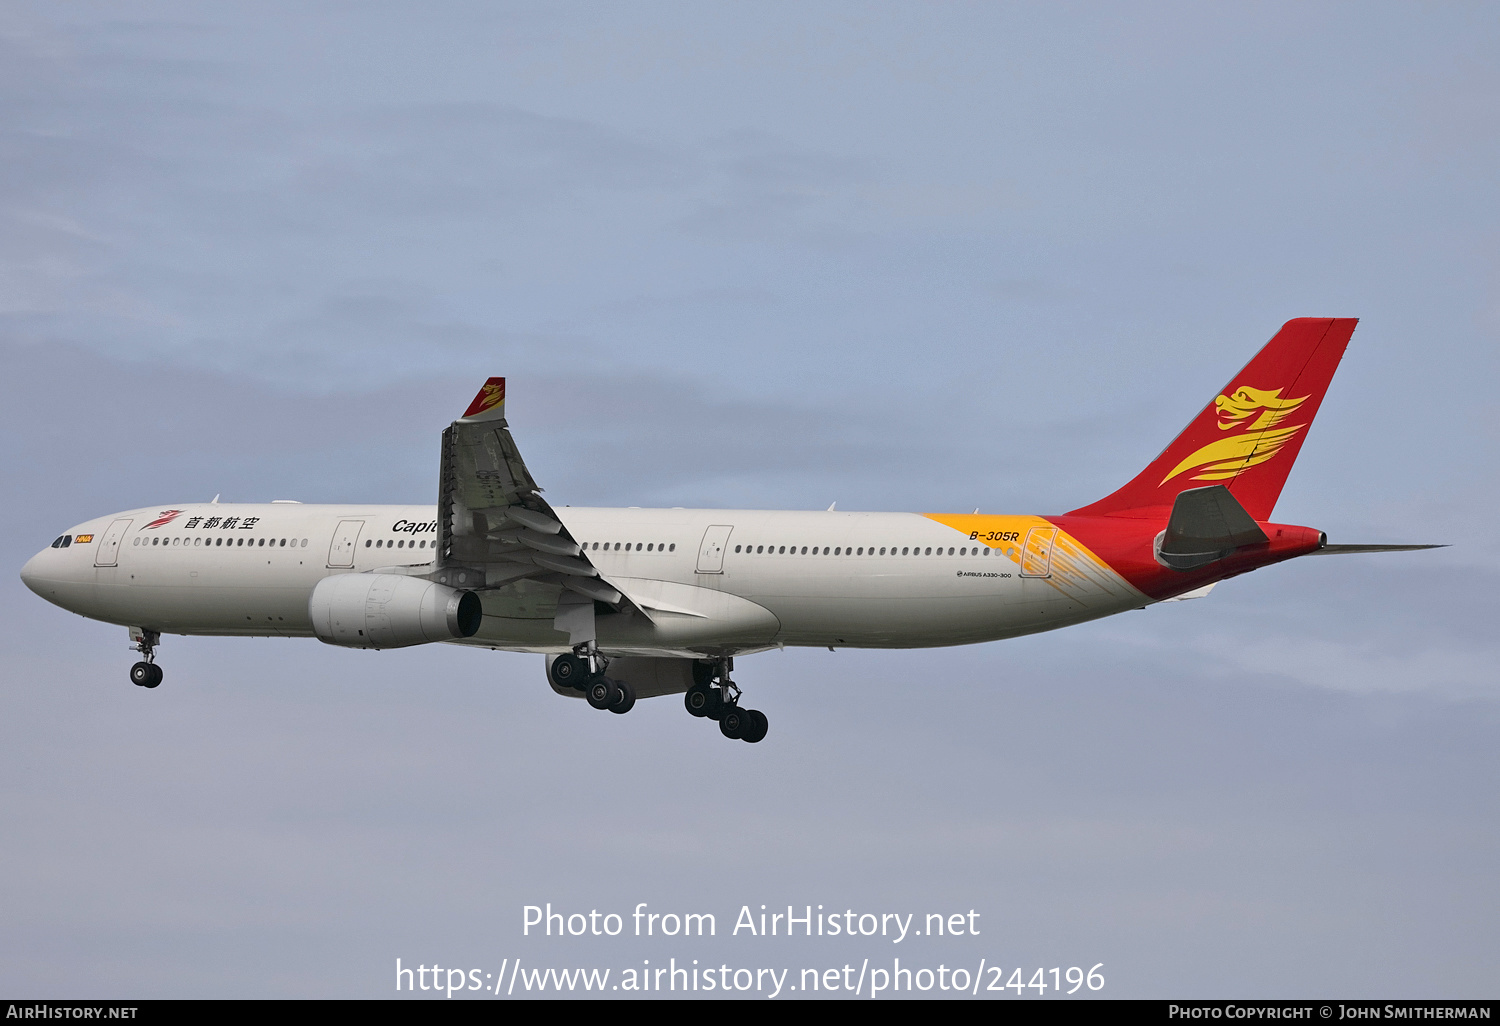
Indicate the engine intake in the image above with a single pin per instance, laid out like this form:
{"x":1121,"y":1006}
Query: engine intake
{"x":391,"y":611}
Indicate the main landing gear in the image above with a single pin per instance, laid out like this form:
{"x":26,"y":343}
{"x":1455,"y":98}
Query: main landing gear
{"x":146,"y":674}
{"x":715,"y":696}
{"x":583,"y":669}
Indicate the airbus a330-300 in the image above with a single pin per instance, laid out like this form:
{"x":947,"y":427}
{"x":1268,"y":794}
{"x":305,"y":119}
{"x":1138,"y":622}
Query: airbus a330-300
{"x":637,"y":603}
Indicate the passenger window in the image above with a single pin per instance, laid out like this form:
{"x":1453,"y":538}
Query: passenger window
{"x":928,"y":552}
{"x":672,"y":547}
{"x":736,"y":548}
{"x":760,"y":549}
{"x":783,"y":551}
{"x":950,"y":550}
{"x":368,"y":543}
{"x":651,"y":548}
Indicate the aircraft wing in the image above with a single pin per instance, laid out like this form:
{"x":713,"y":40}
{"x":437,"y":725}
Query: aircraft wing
{"x":498,"y":536}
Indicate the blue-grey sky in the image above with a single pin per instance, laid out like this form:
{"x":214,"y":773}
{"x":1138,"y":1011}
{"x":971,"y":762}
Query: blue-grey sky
{"x":907,"y":256}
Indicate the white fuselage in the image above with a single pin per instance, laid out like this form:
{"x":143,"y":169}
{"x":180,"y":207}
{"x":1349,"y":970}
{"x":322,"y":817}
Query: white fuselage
{"x":881,"y":580}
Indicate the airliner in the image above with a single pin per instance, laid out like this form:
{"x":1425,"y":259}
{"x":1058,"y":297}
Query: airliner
{"x":640,"y":603}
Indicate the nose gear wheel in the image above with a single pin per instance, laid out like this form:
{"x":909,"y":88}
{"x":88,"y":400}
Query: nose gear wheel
{"x":146,"y":674}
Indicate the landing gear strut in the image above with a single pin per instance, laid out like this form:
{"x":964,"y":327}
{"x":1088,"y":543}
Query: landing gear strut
{"x":714,"y":696}
{"x":583,"y":669}
{"x":146,"y":674}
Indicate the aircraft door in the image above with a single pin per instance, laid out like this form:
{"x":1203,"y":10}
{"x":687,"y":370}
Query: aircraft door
{"x":711,"y":552}
{"x":108,"y":553}
{"x":341,"y":552}
{"x":1036,"y":552}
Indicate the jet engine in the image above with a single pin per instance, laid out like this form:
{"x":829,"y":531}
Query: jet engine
{"x":391,"y":611}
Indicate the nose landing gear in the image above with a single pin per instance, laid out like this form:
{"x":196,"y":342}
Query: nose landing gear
{"x":714,"y":696}
{"x":145,"y":674}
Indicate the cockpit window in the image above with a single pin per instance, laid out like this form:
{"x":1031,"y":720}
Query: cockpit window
{"x":67,"y":540}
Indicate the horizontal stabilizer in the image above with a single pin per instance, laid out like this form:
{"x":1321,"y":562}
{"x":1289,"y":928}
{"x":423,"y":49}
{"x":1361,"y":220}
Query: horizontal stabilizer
{"x":1206,"y":525}
{"x":1339,"y":550}
{"x":1196,"y":593}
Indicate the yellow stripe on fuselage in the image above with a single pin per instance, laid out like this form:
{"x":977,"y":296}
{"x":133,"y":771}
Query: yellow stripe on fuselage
{"x":1073,"y":570}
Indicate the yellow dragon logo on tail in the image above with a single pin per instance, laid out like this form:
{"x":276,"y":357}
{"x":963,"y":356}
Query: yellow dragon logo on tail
{"x":1262,"y":440}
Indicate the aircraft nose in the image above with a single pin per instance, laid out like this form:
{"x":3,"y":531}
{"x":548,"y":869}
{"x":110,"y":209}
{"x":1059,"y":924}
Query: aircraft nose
{"x":32,"y":573}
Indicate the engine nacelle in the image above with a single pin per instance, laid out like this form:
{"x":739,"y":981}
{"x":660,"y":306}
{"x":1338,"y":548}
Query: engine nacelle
{"x":391,"y":611}
{"x":648,"y":676}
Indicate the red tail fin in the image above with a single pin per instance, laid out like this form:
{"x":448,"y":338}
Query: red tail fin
{"x":1248,"y":437}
